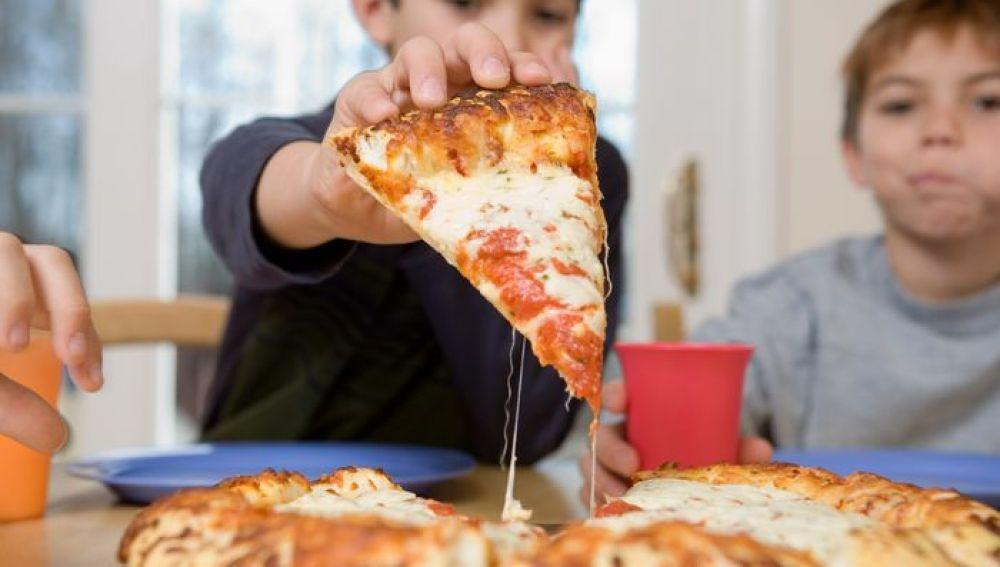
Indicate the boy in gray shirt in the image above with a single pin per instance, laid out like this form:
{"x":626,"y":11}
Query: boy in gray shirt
{"x":892,"y":340}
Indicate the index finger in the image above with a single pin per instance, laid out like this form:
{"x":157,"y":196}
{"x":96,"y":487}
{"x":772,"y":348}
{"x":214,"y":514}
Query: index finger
{"x":419,"y":70}
{"x":476,"y":54}
{"x":17,"y":295}
{"x":28,"y":419}
{"x":60,"y":294}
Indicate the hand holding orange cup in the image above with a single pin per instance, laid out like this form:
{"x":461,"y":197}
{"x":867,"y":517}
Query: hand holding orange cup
{"x":683,"y":401}
{"x":24,"y":472}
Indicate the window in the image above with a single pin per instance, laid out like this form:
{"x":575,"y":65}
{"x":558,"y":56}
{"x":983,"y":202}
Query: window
{"x":158,"y":93}
{"x":40,"y":118}
{"x":235,"y":60}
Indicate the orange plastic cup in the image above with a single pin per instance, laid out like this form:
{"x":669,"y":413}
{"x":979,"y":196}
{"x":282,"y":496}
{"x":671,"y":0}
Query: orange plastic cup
{"x":24,"y":472}
{"x":683,"y":401}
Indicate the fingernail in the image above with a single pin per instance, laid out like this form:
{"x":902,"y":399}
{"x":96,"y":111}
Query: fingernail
{"x":18,"y":336}
{"x":78,"y":345}
{"x":431,"y":89}
{"x":536,"y":69}
{"x":97,"y":374}
{"x":493,"y":66}
{"x":65,"y":440}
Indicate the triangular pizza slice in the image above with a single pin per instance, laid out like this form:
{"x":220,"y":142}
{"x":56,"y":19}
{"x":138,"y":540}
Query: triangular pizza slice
{"x":503,"y":184}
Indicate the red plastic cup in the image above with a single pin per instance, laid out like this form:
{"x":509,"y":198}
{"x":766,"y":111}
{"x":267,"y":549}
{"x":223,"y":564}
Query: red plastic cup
{"x":683,"y":401}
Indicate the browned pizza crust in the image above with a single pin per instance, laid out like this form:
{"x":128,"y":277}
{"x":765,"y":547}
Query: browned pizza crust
{"x":477,"y":129}
{"x":897,"y":504}
{"x":966,"y":530}
{"x":667,"y":543}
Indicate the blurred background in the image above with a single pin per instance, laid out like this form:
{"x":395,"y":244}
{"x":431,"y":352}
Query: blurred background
{"x":727,"y":112}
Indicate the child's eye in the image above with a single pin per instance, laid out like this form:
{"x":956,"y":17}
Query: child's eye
{"x":989,"y":103}
{"x":548,"y":16}
{"x":896,"y":107}
{"x":464,"y":4}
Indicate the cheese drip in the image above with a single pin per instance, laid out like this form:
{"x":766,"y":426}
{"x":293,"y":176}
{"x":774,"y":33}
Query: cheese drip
{"x":512,"y":509}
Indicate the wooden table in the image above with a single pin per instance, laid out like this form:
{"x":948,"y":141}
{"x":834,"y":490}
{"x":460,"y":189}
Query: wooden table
{"x":84,"y":522}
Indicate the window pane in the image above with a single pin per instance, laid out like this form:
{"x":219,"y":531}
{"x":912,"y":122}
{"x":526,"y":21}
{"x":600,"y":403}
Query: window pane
{"x":40,"y":178}
{"x":40,"y":46}
{"x":332,"y":48}
{"x":226,"y":46}
{"x":606,"y":42}
{"x":199,"y":271}
{"x":295,"y":53}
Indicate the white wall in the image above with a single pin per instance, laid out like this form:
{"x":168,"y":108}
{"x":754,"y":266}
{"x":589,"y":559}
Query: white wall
{"x":752,"y":90}
{"x":705,"y":89}
{"x":818,"y":201}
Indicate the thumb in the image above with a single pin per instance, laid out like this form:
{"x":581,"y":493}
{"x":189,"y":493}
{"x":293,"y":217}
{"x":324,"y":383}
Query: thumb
{"x":28,"y":419}
{"x":755,"y":450}
{"x":614,"y":396}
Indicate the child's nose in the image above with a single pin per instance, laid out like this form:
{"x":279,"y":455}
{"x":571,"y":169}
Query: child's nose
{"x":943,"y":126}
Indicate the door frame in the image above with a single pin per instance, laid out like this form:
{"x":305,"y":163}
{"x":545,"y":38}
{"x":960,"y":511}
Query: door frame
{"x":709,"y":87}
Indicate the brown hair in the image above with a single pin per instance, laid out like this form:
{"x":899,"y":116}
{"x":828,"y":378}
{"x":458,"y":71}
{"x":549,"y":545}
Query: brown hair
{"x":891,"y":32}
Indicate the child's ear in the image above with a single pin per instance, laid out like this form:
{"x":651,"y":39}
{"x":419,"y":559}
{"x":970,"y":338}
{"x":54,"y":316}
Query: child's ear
{"x":851,"y":154}
{"x":376,"y":16}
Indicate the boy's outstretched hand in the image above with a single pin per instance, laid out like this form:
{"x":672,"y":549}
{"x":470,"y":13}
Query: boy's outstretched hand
{"x":617,"y":460}
{"x":39,"y":288}
{"x":423,"y":74}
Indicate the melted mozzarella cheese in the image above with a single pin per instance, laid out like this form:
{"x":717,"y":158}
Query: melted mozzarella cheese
{"x":392,"y":504}
{"x":769,"y":515}
{"x":535,"y":204}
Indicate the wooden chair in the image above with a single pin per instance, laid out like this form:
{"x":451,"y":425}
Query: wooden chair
{"x":668,"y":323}
{"x":193,"y":323}
{"x":192,"y":320}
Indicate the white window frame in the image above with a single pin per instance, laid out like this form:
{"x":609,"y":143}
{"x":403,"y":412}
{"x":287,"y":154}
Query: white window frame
{"x":126,"y":245}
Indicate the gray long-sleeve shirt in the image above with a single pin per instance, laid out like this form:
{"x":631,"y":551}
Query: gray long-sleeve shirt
{"x":844,"y":357}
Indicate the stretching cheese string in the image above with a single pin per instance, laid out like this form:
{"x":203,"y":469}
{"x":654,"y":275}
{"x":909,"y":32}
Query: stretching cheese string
{"x":506,"y":404}
{"x":512,"y":509}
{"x":597,"y":417}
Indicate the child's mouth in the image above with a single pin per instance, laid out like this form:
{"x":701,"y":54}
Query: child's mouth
{"x":932,"y":178}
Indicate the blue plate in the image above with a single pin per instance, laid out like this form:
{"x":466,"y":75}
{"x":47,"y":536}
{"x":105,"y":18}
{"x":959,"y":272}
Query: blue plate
{"x":143,"y":475}
{"x":975,"y":475}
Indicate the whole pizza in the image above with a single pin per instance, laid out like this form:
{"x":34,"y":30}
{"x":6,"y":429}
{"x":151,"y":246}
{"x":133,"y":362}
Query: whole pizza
{"x":773,"y":514}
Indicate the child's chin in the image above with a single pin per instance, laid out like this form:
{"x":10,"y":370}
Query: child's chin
{"x":949,"y":230}
{"x":951,"y":220}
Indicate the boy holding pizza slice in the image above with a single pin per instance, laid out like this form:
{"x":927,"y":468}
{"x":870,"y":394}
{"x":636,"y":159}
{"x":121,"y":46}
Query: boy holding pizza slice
{"x":344,"y":325}
{"x":891,"y":340}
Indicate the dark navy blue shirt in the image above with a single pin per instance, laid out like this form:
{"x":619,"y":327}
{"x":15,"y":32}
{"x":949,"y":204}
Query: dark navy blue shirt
{"x":357,"y":341}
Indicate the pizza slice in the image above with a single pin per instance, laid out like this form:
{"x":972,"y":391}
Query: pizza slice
{"x":503,"y":185}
